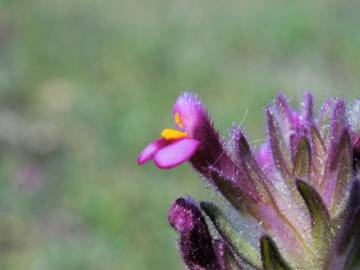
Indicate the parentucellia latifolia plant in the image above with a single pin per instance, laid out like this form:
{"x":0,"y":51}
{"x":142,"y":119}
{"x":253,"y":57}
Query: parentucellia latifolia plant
{"x":292,"y":202}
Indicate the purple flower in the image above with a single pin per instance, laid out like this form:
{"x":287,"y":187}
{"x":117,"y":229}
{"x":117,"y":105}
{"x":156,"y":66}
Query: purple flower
{"x":196,"y":244}
{"x":195,"y":240}
{"x":176,"y":146}
{"x":300,"y":188}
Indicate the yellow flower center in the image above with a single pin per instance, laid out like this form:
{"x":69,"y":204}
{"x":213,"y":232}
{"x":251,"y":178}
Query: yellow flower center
{"x":178,"y":120}
{"x":173,"y":134}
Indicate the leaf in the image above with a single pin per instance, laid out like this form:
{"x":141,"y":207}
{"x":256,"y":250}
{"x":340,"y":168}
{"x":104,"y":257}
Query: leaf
{"x":281,"y":155}
{"x":270,"y":194}
{"x":225,"y":256}
{"x":241,"y":247}
{"x":307,"y":109}
{"x":284,"y":113}
{"x":356,"y":155}
{"x":325,"y":117}
{"x":345,"y":252}
{"x":319,"y":154}
{"x":318,"y":213}
{"x":239,"y":196}
{"x":354,"y":112}
{"x":345,"y":171}
{"x":279,"y":150}
{"x":338,"y":172}
{"x":302,"y":159}
{"x":270,"y":255}
{"x":338,"y":121}
{"x":245,"y":159}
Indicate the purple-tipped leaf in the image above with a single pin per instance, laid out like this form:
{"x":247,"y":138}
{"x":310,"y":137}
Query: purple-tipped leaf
{"x":269,"y":195}
{"x":319,"y":153}
{"x":285,"y":115}
{"x":278,"y":147}
{"x":325,"y":118}
{"x":239,"y":194}
{"x":338,"y":172}
{"x":338,"y":121}
{"x":245,"y":159}
{"x":265,"y":159}
{"x":307,"y":108}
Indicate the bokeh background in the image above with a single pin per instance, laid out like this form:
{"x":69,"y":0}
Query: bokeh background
{"x":85,"y":84}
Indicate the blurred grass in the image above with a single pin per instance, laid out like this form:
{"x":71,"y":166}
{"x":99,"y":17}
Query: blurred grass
{"x":85,"y":84}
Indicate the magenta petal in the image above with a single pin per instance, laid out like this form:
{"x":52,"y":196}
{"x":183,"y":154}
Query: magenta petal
{"x":175,"y":153}
{"x":150,"y":150}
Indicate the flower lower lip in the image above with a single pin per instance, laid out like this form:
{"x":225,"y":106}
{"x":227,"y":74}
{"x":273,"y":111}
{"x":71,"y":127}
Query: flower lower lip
{"x":176,"y":153}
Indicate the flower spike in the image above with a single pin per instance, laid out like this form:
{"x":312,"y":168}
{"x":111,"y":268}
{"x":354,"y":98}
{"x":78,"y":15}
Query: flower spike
{"x":292,"y":202}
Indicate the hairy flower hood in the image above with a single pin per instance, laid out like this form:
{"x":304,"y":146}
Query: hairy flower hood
{"x":301,"y":186}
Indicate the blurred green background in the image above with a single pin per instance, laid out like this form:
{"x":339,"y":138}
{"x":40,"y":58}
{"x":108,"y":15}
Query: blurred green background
{"x":86,"y":84}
